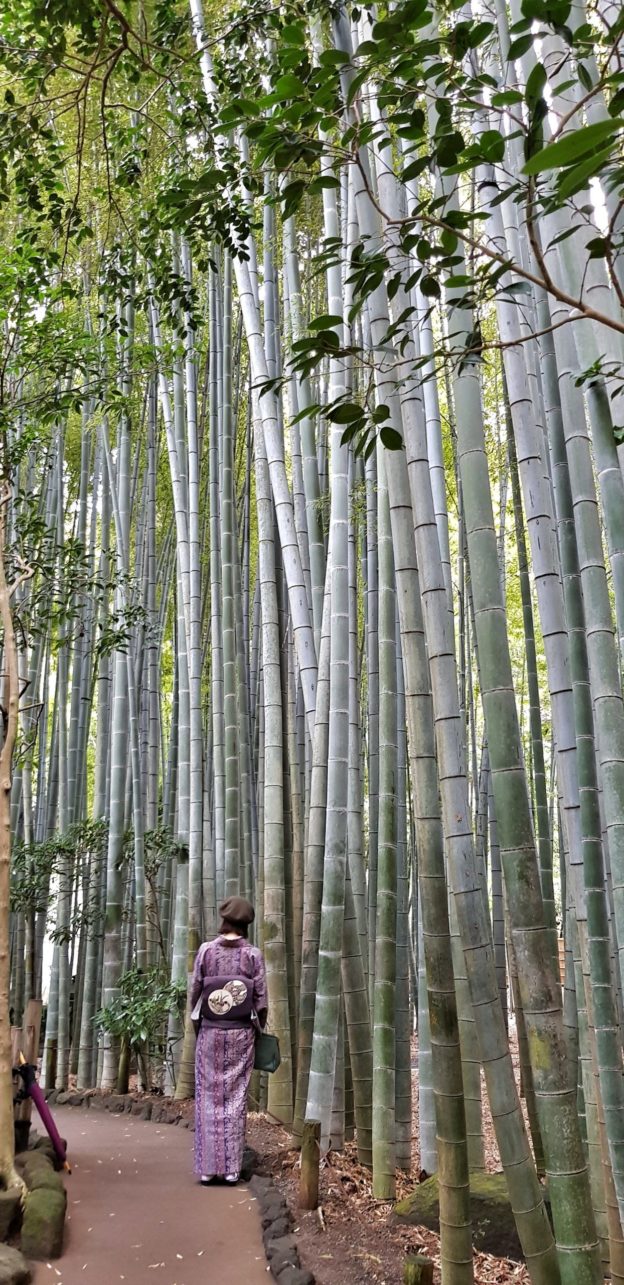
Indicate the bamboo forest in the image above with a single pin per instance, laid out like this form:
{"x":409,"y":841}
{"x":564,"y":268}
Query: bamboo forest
{"x":312,"y":585}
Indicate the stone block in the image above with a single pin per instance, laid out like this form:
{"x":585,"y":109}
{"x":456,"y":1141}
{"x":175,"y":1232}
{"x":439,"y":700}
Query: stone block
{"x":44,"y":1148}
{"x":116,"y":1103}
{"x":272,"y":1206}
{"x":44,"y":1224}
{"x":283,"y":1244}
{"x":284,"y":1258}
{"x":295,"y":1276}
{"x":14,"y":1269}
{"x":10,"y":1211}
{"x":39,"y":1173}
{"x":279,"y":1227}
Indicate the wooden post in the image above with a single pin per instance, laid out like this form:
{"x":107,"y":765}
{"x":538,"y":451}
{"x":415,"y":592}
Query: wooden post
{"x":310,"y":1162}
{"x":418,"y":1270}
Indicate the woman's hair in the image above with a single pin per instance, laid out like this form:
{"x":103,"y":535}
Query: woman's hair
{"x":231,"y":926}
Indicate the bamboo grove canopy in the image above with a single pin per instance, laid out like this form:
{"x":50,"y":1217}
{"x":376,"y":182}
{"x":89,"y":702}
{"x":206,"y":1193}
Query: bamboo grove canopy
{"x":312,"y":569}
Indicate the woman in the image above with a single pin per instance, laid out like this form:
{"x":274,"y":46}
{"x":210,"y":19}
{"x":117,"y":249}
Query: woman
{"x":228,"y":974}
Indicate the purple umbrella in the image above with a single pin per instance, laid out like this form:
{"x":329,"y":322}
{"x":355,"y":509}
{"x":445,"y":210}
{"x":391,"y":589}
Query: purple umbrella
{"x":31,"y":1090}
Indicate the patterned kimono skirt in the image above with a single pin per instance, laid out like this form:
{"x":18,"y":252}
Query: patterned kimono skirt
{"x":223,"y":1066}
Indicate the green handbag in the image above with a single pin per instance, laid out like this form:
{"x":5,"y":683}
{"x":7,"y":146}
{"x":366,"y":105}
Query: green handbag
{"x":267,"y":1055}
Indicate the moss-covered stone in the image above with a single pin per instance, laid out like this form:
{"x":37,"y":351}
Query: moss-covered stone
{"x":44,"y":1224}
{"x":14,"y":1269}
{"x":38,"y":1172}
{"x":10,"y":1211}
{"x":493,"y":1223}
{"x":45,"y":1179}
{"x":43,"y":1146}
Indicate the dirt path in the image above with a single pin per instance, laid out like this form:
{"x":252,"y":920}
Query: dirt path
{"x":137,"y":1214}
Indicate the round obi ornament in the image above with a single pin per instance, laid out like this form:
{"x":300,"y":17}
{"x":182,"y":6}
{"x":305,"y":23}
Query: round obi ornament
{"x":238,"y":991}
{"x":220,"y":1002}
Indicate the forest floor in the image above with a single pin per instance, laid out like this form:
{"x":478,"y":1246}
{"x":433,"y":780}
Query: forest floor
{"x":353,"y":1239}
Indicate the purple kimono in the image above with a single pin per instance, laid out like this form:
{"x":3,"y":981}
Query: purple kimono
{"x":224,"y":1060}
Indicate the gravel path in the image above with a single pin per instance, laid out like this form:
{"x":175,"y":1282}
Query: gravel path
{"x":137,"y":1214}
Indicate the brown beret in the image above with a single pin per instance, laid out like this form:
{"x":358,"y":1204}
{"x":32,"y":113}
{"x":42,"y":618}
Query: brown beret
{"x":237,"y":910}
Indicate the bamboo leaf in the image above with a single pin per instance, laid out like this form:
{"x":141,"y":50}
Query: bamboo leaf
{"x":391,"y":439}
{"x":346,"y":413}
{"x":326,"y":321}
{"x":572,"y":147}
{"x":573,"y":180}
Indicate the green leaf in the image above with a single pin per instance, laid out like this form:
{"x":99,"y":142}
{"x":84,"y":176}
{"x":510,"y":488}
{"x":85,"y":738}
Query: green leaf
{"x":572,"y":147}
{"x":479,"y":31}
{"x":535,"y":84}
{"x":323,"y":181}
{"x":307,"y":413}
{"x":210,"y":179}
{"x":430,"y":288}
{"x":554,"y":12}
{"x":333,"y":58}
{"x":391,"y":439}
{"x":616,"y":106}
{"x":576,"y":178}
{"x":508,"y":98}
{"x":289,"y":86}
{"x":293,"y":33}
{"x":346,"y":413}
{"x":411,"y":11}
{"x":584,"y":77}
{"x":597,"y":247}
{"x":415,"y":168}
{"x":491,"y":145}
{"x":519,"y":47}
{"x":517,"y":287}
{"x":325,"y":321}
{"x":356,"y":85}
{"x":380,"y":413}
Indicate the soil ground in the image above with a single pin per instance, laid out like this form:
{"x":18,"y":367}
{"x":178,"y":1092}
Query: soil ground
{"x":353,"y":1239}
{"x":137,"y":1214}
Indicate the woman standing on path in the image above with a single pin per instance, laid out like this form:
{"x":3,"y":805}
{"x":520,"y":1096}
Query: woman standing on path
{"x":228,"y":988}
